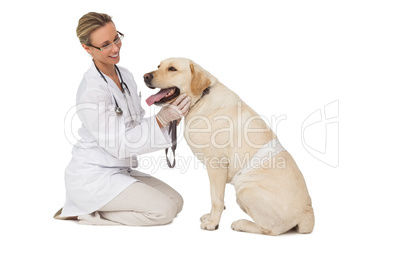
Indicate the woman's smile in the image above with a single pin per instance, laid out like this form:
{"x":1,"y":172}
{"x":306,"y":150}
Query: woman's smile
{"x":114,"y":56}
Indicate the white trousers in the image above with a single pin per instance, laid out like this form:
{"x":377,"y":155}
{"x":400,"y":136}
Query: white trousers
{"x":148,"y":201}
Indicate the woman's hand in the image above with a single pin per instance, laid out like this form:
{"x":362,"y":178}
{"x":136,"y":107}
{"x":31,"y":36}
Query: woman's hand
{"x":174,"y":111}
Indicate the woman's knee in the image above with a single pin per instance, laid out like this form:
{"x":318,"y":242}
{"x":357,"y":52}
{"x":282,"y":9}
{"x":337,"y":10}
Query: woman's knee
{"x":179,"y":202}
{"x":166,"y":212}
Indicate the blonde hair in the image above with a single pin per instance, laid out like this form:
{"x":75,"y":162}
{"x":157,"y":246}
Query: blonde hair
{"x":89,"y":23}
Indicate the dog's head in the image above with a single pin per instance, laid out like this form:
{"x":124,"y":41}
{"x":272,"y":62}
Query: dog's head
{"x":177,"y":76}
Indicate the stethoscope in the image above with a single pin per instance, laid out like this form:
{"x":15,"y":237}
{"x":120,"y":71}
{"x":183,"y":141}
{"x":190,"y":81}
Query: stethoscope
{"x":123,"y":85}
{"x":172,"y":127}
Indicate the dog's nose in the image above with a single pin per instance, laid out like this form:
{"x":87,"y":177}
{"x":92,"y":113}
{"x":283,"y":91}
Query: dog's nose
{"x":148,"y":77}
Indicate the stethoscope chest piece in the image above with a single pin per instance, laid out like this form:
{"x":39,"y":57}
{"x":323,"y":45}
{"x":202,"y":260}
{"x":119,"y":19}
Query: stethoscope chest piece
{"x":118,"y":111}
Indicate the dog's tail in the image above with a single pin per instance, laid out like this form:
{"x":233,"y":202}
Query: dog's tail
{"x":307,"y":221}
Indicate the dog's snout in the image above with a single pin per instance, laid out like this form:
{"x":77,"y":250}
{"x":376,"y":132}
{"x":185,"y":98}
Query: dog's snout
{"x":148,"y":77}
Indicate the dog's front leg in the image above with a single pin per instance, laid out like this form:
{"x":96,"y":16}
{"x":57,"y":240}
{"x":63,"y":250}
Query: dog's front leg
{"x":217,"y":181}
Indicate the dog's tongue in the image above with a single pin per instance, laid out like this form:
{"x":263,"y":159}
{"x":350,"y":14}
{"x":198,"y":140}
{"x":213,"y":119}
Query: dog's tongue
{"x":157,"y":97}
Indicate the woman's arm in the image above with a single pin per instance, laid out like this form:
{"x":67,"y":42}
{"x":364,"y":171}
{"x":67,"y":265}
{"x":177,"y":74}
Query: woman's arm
{"x":110,"y":131}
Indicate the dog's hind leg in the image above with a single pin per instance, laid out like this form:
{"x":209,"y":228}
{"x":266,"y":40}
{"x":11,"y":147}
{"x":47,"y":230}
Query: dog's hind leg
{"x":263,"y":210}
{"x":246,"y":226}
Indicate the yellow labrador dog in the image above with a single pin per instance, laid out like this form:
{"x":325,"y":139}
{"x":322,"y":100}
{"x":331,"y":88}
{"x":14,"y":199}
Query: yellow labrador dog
{"x":236,"y":146}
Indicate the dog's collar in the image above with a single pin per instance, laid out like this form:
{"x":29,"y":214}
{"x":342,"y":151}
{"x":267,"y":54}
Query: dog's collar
{"x":204,"y":92}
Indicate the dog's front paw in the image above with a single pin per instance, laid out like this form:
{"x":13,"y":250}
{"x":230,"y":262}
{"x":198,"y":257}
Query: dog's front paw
{"x":209,"y":225}
{"x":205,"y":217}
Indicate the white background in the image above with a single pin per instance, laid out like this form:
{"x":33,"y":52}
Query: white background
{"x":286,"y":58}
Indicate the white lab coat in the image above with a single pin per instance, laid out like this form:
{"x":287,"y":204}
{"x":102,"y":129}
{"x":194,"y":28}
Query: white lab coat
{"x":100,"y":166}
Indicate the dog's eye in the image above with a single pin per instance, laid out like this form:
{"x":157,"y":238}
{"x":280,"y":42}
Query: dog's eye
{"x":172,"y":69}
{"x":159,"y":66}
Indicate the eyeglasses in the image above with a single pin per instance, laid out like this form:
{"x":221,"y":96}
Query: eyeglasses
{"x":117,"y":41}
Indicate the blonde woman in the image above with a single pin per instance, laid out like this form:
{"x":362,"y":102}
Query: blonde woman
{"x":101,"y":187}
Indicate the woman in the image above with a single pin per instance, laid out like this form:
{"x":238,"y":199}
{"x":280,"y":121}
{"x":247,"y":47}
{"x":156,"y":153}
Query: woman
{"x":101,"y":188}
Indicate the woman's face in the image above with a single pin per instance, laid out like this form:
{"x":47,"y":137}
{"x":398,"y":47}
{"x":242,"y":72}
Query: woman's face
{"x":101,"y":37}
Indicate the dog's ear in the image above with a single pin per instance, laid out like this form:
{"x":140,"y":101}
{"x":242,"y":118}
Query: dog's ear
{"x":199,"y":81}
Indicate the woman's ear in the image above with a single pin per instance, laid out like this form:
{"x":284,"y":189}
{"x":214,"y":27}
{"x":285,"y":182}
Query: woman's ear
{"x":86,"y":48}
{"x":199,"y":80}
